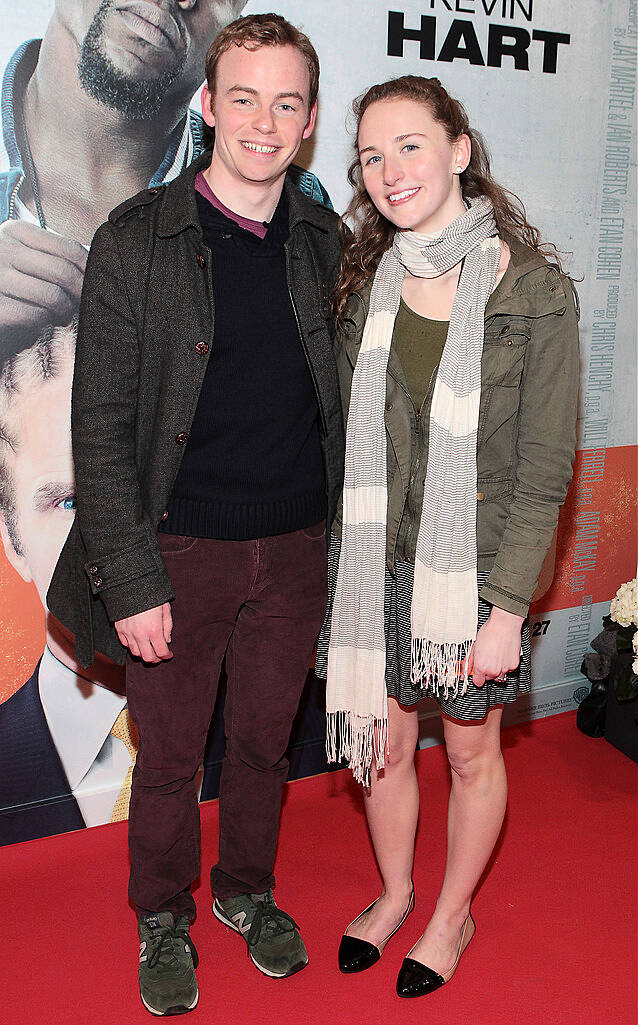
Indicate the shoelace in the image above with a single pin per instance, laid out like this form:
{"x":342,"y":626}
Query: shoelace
{"x":270,"y":917}
{"x":165,"y":950}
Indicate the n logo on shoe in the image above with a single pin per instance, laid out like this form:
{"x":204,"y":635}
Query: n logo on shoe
{"x":142,"y":951}
{"x":239,"y":921}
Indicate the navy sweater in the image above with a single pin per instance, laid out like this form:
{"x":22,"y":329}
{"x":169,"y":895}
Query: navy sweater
{"x":253,"y":465}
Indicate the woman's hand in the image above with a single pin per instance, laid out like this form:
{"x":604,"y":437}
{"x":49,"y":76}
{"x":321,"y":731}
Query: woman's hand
{"x":497,"y":649}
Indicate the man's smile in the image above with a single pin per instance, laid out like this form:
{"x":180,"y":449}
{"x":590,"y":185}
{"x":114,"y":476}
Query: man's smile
{"x":258,"y":147}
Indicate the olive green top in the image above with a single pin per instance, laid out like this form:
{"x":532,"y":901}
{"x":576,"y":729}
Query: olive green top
{"x":418,"y":342}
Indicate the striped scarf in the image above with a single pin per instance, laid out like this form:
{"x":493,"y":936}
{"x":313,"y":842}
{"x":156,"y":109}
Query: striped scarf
{"x":445,"y":596}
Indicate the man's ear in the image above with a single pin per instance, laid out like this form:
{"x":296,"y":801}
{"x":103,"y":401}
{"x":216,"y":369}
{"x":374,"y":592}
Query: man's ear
{"x":207,"y":106}
{"x":18,"y":562}
{"x":307,"y":132}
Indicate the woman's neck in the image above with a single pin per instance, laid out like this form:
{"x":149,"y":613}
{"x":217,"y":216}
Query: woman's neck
{"x":434,"y":297}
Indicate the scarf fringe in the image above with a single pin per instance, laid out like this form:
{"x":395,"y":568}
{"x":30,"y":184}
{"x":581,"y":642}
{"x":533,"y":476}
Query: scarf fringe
{"x":361,"y":739}
{"x":440,"y":668}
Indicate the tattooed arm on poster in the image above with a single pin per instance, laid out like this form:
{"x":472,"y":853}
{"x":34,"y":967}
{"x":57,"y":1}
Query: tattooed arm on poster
{"x":41,"y":276}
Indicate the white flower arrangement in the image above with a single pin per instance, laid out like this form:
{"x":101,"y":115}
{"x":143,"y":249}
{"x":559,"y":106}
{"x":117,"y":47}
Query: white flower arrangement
{"x":624,"y":607}
{"x":623,"y":610}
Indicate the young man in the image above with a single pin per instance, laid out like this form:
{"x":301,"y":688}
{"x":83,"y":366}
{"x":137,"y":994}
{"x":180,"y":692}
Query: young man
{"x":205,"y":406}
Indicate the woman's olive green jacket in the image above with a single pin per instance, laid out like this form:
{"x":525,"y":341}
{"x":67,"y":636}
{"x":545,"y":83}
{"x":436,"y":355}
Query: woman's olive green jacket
{"x":526,"y":431}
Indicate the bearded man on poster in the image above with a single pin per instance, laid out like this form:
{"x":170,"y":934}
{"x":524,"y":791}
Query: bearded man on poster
{"x":91,"y":113}
{"x":208,"y":446}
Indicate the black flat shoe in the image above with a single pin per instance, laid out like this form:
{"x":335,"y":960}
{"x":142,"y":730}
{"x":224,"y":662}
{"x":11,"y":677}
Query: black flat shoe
{"x":416,"y":979}
{"x":356,"y":955}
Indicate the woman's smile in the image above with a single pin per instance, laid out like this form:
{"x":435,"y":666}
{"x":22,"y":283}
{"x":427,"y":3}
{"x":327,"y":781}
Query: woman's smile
{"x":402,"y":197}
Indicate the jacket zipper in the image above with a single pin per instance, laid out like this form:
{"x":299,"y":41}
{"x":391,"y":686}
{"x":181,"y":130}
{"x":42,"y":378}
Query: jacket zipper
{"x":13,"y":195}
{"x":419,"y":424}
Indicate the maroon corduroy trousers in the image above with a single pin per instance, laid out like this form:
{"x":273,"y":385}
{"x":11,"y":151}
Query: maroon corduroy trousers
{"x":260,"y":605}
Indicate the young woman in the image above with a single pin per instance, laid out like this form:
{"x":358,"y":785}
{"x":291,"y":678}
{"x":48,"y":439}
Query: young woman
{"x":458,"y":359}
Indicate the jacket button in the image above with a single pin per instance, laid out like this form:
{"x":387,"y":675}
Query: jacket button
{"x":182,"y":438}
{"x":480,"y":496}
{"x":388,"y":405}
{"x":92,"y":569}
{"x":201,"y":260}
{"x":509,"y":341}
{"x":164,"y":516}
{"x":201,"y":348}
{"x":97,"y":581}
{"x":155,"y":190}
{"x":505,"y":329}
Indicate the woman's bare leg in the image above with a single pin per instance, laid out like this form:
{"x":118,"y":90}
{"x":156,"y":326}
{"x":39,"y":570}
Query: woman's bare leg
{"x":392,"y":808}
{"x":475,"y":816}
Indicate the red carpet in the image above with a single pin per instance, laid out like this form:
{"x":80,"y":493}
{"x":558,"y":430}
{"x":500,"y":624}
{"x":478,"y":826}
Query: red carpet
{"x":555,"y":942}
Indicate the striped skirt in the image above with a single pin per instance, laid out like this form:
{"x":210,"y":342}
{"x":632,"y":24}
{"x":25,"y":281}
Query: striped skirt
{"x":472,"y":706}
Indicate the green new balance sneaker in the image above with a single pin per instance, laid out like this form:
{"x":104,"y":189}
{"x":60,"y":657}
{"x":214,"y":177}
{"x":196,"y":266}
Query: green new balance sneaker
{"x":168,"y":960}
{"x":274,"y":943}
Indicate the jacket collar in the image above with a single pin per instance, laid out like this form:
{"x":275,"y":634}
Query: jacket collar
{"x":16,"y":76}
{"x":522,"y":261}
{"x":302,"y":208}
{"x":531,"y":285}
{"x":179,"y":207}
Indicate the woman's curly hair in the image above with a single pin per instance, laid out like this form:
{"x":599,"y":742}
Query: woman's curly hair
{"x":372,"y":233}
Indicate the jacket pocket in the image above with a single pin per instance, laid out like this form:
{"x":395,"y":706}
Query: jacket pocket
{"x":317,"y":532}
{"x":504,"y":348}
{"x":493,"y":496}
{"x":175,"y":544}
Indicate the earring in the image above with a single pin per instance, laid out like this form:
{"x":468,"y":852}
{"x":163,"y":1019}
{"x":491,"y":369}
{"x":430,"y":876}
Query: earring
{"x":460,"y":169}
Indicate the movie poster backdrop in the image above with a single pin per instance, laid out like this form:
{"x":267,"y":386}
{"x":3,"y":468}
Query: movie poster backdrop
{"x":551,"y":86}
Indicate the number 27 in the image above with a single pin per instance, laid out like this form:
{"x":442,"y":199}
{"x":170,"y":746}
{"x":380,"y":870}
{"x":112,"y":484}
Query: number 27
{"x":540,"y":629}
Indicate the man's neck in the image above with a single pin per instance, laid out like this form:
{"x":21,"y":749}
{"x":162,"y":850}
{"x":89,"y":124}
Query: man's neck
{"x":255,"y":200}
{"x":87,"y":157}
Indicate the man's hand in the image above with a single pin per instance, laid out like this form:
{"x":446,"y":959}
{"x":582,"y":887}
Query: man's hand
{"x":41,"y":277}
{"x":497,"y":649}
{"x":148,"y":634}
